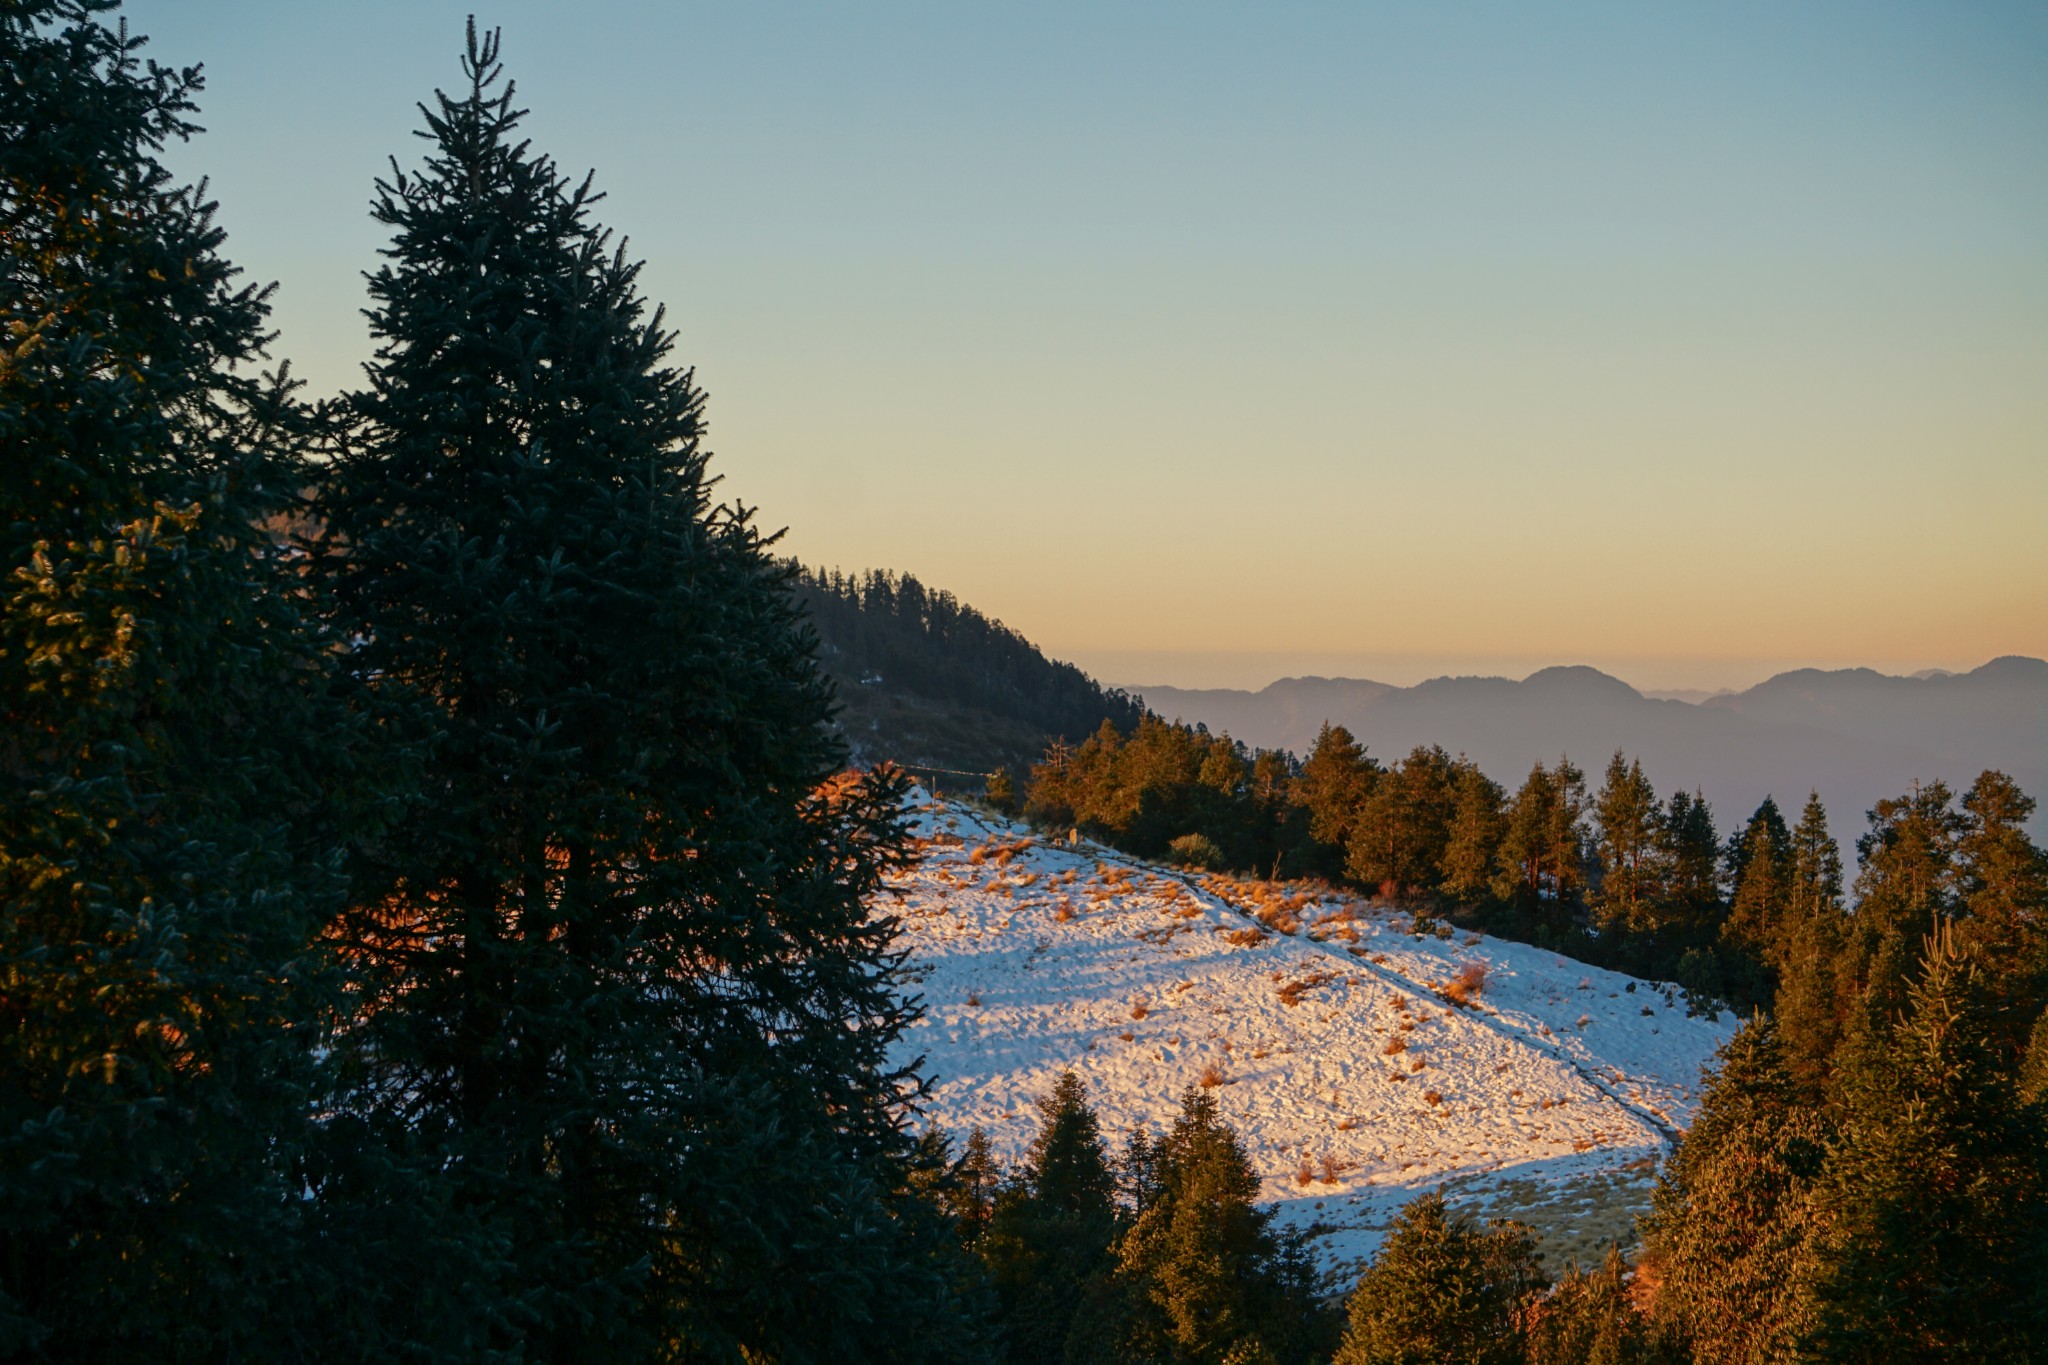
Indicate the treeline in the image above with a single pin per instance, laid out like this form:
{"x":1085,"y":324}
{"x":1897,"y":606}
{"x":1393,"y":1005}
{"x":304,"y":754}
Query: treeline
{"x":1616,"y":874}
{"x":434,"y":920}
{"x":882,"y":630}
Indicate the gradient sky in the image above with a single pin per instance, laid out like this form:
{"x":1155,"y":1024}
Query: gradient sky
{"x":1206,"y":344}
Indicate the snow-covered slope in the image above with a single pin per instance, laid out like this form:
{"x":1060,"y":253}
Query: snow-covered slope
{"x":1328,"y":1030}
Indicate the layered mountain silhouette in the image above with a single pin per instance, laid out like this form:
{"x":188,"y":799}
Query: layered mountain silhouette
{"x":1855,"y":735}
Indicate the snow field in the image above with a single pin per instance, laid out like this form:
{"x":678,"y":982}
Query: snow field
{"x":1331,"y":1035}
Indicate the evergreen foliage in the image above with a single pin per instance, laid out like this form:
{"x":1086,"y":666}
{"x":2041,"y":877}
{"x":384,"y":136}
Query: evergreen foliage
{"x":1443,"y":1290}
{"x":1590,"y":1318}
{"x":925,"y":678}
{"x":1630,"y":821}
{"x":1202,"y":1277}
{"x":169,"y":770}
{"x":1048,"y":1240}
{"x":619,"y":983}
{"x":1336,"y":778}
{"x":1932,"y":1238}
{"x":1143,"y":791}
{"x":1542,"y":863}
{"x":1733,"y":1215}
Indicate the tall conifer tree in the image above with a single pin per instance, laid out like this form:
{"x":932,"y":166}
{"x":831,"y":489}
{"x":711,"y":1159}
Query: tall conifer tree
{"x":1443,"y":1289}
{"x":164,"y":752}
{"x":1630,"y":821}
{"x":1048,"y":1239}
{"x":622,"y":986}
{"x":1732,"y":1221}
{"x":1933,"y":1216}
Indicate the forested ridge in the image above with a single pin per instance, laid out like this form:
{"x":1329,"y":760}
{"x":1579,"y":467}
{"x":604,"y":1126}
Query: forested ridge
{"x":439,"y":920}
{"x":924,"y":678}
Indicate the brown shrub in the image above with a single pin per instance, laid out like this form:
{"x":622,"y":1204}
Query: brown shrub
{"x":1333,"y":1169}
{"x":1432,"y":1097}
{"x":973,"y":1001}
{"x":1140,"y":1010}
{"x":1127,"y":1035}
{"x":1064,"y":912}
{"x":1395,"y":1044}
{"x":1347,"y":1125}
{"x":1244,"y":938}
{"x":1211,"y":1077}
{"x":1305,"y":1173}
{"x":1465,"y":987}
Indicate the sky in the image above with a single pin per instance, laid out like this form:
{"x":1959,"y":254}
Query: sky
{"x":1209,"y":344}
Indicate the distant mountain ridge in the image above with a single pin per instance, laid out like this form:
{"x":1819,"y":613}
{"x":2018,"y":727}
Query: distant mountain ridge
{"x":1855,"y":735}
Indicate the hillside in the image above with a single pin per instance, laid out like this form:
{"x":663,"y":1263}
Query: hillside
{"x":1854,"y":734}
{"x":927,"y":681}
{"x":1330,"y":1029}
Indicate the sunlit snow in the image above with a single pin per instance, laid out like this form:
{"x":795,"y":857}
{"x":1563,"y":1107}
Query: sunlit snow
{"x":1354,"y":1080}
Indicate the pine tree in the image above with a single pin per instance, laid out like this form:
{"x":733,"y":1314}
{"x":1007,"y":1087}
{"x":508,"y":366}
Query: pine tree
{"x":1905,"y":878}
{"x":1049,"y":1233}
{"x":1760,"y":869}
{"x":1204,"y":1279}
{"x":1542,"y":860}
{"x":169,"y":771}
{"x":1732,"y":1218}
{"x":1443,"y":1291}
{"x":1477,"y":825}
{"x":621,"y":984}
{"x":1815,"y":973}
{"x":2002,"y":884}
{"x":1336,"y":777}
{"x":1400,"y":830}
{"x":1590,"y":1318}
{"x":1816,"y":864}
{"x":1629,"y":819}
{"x":1933,"y":1215}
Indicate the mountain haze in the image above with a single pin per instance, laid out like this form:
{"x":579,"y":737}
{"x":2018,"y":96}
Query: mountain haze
{"x":1855,"y":735}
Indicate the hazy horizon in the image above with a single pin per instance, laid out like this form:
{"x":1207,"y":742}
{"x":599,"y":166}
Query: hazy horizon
{"x":1196,"y":341}
{"x":1251,"y":673}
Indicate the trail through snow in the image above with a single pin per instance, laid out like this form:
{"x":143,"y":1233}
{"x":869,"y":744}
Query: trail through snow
{"x":1331,"y":1034}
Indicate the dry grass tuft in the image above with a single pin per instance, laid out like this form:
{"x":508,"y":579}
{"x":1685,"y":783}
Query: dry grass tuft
{"x":973,"y":1001}
{"x":1064,"y":911}
{"x":1244,"y":938}
{"x":1291,"y":993}
{"x":1465,"y":987}
{"x":1347,"y":1125}
{"x":1140,"y":1010}
{"x":1432,"y":1097}
{"x":1394,"y":1044}
{"x":1211,"y":1077}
